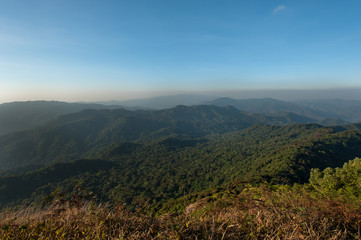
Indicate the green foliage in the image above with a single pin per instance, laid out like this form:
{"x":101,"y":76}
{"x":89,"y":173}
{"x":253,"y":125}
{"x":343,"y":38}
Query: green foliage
{"x":345,"y":181}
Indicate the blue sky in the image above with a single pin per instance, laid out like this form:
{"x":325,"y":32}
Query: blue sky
{"x":101,"y":50}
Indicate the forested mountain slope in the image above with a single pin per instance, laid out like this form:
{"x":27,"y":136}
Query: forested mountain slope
{"x":71,"y":136}
{"x":169,"y":167}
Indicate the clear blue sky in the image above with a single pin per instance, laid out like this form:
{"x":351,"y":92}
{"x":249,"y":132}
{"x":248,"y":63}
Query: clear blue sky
{"x":100,"y":50}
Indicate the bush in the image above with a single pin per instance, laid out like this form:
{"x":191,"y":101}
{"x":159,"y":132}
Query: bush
{"x":345,"y":181}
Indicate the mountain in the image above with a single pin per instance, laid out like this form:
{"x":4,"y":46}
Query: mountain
{"x":17,"y":116}
{"x":73,"y":135}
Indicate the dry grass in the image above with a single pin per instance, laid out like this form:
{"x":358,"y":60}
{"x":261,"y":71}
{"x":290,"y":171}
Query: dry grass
{"x":256,"y":213}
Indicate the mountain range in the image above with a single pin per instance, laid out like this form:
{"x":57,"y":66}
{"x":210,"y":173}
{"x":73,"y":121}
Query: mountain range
{"x":71,"y":136}
{"x":124,"y":155}
{"x":26,"y":115}
{"x":346,"y":110}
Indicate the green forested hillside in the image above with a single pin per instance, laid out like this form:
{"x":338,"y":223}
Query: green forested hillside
{"x":170,"y":167}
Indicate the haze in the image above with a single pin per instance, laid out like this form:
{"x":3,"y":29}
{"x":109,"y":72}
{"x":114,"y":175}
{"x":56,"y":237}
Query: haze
{"x":116,"y":50}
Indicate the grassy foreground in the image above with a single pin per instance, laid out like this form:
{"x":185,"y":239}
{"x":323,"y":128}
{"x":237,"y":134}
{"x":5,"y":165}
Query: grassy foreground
{"x":252,"y":213}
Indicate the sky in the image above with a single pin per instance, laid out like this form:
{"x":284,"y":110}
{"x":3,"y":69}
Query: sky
{"x":88,"y":50}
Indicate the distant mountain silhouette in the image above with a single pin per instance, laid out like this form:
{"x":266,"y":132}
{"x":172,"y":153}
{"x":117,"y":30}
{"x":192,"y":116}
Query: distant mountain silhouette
{"x":345,"y":110}
{"x":348,"y":111}
{"x":25,"y":115}
{"x":163,"y":102}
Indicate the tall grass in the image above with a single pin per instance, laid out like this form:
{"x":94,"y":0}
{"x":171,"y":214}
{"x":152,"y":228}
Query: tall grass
{"x":255,"y":213}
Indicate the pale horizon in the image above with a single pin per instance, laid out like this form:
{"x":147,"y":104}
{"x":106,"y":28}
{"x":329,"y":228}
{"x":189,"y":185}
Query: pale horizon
{"x":279,"y":94}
